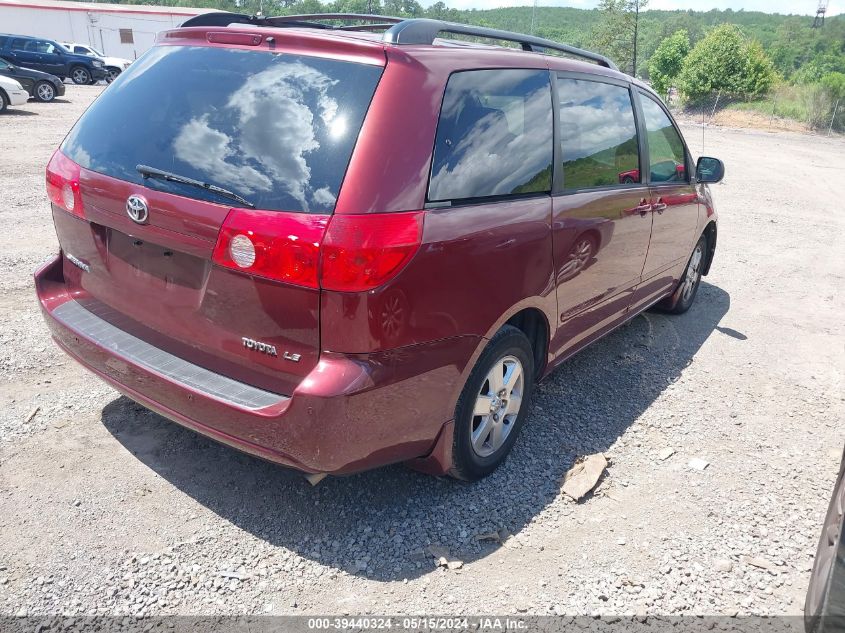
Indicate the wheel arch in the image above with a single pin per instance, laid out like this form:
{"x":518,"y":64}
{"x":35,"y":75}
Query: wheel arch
{"x":534,"y":324}
{"x":710,"y":232}
{"x":529,"y":317}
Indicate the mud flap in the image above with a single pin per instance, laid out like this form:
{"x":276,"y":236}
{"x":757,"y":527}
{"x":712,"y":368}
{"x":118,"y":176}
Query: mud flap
{"x":439,"y":461}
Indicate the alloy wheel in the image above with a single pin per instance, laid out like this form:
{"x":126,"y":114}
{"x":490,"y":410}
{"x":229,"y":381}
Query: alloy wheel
{"x":497,"y":406}
{"x":80,"y":76}
{"x":46,"y":92}
{"x":693,"y":274}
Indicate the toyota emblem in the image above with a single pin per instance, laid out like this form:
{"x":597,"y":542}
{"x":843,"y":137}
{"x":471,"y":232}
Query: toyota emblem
{"x":136,"y":209}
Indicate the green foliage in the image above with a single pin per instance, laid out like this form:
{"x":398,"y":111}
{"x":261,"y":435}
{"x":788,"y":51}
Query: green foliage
{"x":616,"y":34}
{"x":834,"y":83}
{"x":815,"y":105}
{"x":801,"y":55}
{"x":759,"y":71}
{"x":725,"y":61}
{"x":666,"y":62}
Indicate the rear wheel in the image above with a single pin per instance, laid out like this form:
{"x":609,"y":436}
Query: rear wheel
{"x":45,"y":91}
{"x":493,"y":405}
{"x":691,"y":279}
{"x":80,"y":75}
{"x":4,"y":101}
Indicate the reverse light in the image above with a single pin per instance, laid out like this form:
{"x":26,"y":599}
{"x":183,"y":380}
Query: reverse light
{"x":242,"y":251}
{"x":272,"y":244}
{"x":361,"y":252}
{"x":63,"y":184}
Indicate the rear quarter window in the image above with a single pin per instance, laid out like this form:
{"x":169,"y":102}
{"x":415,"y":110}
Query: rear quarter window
{"x":275,"y":128}
{"x":494,"y":136}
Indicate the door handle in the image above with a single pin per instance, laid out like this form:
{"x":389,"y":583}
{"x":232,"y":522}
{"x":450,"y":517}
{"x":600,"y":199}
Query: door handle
{"x":659,"y":206}
{"x":643,"y":208}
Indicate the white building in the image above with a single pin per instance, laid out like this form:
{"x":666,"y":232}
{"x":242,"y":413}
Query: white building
{"x":118,"y":30}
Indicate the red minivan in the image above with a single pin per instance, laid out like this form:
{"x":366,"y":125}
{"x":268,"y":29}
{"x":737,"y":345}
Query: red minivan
{"x":337,"y":242}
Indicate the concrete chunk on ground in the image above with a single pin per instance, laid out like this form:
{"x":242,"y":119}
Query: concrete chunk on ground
{"x":584,"y":476}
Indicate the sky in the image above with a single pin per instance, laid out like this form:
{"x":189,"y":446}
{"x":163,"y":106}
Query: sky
{"x":805,"y":7}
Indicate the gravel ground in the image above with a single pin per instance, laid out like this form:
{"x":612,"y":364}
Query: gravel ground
{"x":106,"y":508}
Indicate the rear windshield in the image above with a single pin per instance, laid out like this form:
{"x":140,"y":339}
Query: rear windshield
{"x":274,"y":128}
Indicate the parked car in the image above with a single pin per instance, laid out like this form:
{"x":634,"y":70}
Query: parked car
{"x":667,"y":170}
{"x":824,"y":609}
{"x":42,"y":86}
{"x":114,"y":65}
{"x":50,"y":57}
{"x":337,"y":249}
{"x":11,"y":93}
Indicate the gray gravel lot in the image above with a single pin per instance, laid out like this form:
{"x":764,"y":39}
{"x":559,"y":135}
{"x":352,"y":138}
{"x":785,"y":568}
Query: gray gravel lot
{"x":106,"y":508}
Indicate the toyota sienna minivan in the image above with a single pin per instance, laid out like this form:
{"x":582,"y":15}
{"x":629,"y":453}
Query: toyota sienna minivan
{"x":338,"y":242}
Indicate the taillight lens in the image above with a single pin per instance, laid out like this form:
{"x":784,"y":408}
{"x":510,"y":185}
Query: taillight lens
{"x":272,"y":244}
{"x":63,"y":184}
{"x":361,"y":252}
{"x":355,"y":252}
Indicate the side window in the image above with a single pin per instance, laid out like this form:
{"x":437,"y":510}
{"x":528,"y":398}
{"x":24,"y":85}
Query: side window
{"x":3,"y":40}
{"x":665,"y":147}
{"x":494,"y":136}
{"x":598,"y":135}
{"x":81,"y":50}
{"x":46,"y":47}
{"x":18,"y":44}
{"x":3,"y":64}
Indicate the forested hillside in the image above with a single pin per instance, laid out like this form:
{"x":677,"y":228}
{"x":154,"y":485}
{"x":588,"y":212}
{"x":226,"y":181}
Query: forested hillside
{"x":785,"y":55}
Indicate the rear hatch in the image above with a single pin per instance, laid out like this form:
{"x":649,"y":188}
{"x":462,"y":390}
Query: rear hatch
{"x":272,"y":132}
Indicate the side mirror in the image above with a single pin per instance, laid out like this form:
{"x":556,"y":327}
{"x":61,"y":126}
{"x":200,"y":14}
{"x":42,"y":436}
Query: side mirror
{"x":709,"y":170}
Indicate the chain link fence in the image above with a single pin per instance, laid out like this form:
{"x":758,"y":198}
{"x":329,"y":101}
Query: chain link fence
{"x":797,"y":108}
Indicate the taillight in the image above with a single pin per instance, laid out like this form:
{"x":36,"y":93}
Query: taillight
{"x":63,"y":184}
{"x":361,"y":252}
{"x":355,"y":252}
{"x":272,"y":244}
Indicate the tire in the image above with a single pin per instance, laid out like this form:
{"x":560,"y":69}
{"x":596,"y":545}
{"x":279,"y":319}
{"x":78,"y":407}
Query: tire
{"x":480,"y":442}
{"x":112,"y":74}
{"x":627,"y":180}
{"x":691,"y":279}
{"x":80,"y":75}
{"x":45,"y":91}
{"x":4,"y":101}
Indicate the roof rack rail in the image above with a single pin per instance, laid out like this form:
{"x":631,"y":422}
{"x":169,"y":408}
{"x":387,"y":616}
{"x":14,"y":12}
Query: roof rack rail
{"x":425,"y":31}
{"x":397,"y":30}
{"x":309,"y":20}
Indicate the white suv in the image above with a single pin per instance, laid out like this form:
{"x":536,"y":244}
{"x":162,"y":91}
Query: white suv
{"x":114,"y":65}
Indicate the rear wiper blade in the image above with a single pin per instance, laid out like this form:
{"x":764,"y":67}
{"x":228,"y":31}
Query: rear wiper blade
{"x":152,"y":172}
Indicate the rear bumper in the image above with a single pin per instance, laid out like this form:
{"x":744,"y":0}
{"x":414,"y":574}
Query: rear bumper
{"x":351,"y":413}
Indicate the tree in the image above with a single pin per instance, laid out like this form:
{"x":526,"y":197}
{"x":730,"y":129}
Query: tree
{"x":834,"y":83}
{"x":665,"y":65}
{"x":724,"y":61}
{"x":617,"y":31}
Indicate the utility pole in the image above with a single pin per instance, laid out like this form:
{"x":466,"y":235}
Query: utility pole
{"x":533,"y":15}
